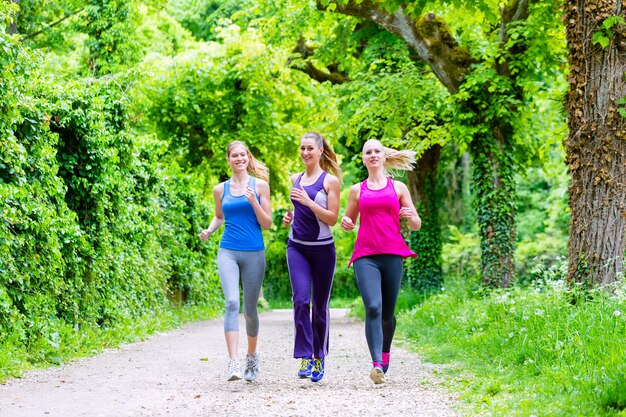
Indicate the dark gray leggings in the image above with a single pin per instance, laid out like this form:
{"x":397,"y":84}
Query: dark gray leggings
{"x":378,"y":278}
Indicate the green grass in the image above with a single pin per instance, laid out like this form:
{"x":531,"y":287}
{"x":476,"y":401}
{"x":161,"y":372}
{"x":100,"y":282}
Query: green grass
{"x":545,"y":350}
{"x":67,"y":343}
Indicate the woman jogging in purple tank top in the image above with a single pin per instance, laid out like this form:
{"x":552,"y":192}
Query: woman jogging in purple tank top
{"x":311,"y":251}
{"x":379,"y":248}
{"x":243,"y":203}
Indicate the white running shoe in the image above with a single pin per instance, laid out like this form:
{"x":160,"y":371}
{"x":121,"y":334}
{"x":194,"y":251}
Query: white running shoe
{"x":234,"y":370}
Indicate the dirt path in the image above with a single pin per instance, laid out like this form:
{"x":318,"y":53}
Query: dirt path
{"x":165,"y":376}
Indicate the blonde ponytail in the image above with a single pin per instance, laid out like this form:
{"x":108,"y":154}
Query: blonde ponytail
{"x":403,"y":160}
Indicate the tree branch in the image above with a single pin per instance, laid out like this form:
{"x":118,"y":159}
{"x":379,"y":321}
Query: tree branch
{"x":333,"y":75}
{"x":514,"y":12}
{"x":429,"y":36}
{"x":50,"y":26}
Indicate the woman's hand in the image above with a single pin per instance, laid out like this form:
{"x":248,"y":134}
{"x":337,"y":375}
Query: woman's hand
{"x":205,"y":234}
{"x":347,"y":224}
{"x":288,"y":217}
{"x":407,"y":213}
{"x":301,"y":196}
{"x":250,"y":196}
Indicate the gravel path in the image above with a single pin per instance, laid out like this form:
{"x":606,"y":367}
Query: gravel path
{"x":166,"y":376}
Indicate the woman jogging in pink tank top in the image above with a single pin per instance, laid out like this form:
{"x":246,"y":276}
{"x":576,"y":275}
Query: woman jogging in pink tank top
{"x":379,"y":248}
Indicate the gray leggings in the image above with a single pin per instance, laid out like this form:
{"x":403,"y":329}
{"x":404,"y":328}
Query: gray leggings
{"x":378,"y":278}
{"x":250,"y":266}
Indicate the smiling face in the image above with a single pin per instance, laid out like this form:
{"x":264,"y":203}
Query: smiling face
{"x":310,"y":152}
{"x":373,"y":154}
{"x":238,"y":158}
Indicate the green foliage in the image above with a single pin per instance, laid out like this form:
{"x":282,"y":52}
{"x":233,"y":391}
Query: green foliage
{"x":527,"y":351}
{"x":543,"y":219}
{"x":344,"y":284}
{"x":110,"y":25}
{"x":425,"y":272}
{"x":93,"y":232}
{"x":159,"y":33}
{"x":462,"y":257}
{"x":234,"y":90}
{"x":202,"y":18}
{"x":493,"y":175}
{"x":604,"y":35}
{"x":276,"y":284}
{"x":44,"y":23}
{"x":622,"y":109}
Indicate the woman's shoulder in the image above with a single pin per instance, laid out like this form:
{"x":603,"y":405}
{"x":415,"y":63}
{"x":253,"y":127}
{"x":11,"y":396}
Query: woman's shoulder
{"x":399,"y":186}
{"x":219,"y":187}
{"x":331,"y":179}
{"x":218,"y":191}
{"x":262,"y":184}
{"x":294,"y":177}
{"x":356,"y":188}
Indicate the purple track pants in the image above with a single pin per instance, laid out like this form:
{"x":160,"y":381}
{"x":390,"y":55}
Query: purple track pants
{"x":311,"y":271}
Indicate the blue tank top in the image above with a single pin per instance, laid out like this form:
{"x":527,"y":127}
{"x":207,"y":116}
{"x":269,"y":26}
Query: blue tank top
{"x":307,"y":228}
{"x":242,"y":230}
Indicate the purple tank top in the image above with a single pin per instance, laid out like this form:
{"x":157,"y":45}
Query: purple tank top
{"x":307,"y":228}
{"x":379,"y":229}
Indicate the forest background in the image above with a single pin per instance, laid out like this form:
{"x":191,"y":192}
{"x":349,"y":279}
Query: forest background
{"x":114,"y":124}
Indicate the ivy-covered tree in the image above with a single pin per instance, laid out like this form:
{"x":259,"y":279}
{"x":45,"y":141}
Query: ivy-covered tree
{"x":596,"y":146}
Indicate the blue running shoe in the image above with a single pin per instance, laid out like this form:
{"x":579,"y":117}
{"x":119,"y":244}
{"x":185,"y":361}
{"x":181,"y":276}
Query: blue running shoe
{"x":318,"y":370}
{"x":306,"y":368}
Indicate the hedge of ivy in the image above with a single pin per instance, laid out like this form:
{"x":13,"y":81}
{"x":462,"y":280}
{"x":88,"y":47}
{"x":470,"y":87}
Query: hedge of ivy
{"x":94,"y":227}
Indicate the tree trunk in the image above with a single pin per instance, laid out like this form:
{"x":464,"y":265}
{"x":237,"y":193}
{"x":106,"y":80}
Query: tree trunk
{"x":596,"y":145}
{"x":493,"y":176}
{"x":425,"y":272}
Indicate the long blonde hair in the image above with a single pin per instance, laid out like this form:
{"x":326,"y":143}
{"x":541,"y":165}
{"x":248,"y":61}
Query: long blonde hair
{"x":328,"y":159}
{"x":403,"y":160}
{"x":255,"y":167}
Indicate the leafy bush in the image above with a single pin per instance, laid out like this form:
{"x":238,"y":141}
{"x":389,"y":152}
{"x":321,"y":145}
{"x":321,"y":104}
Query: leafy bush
{"x":94,"y":233}
{"x":461,"y":254}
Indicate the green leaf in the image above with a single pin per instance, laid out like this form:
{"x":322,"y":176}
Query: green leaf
{"x":611,"y":21}
{"x":599,"y":37}
{"x":622,"y":111}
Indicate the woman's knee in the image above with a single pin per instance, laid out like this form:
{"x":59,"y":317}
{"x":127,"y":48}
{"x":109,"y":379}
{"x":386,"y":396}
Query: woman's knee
{"x":251,"y":313}
{"x":301,"y":304}
{"x":373,"y":310}
{"x":232,"y":305}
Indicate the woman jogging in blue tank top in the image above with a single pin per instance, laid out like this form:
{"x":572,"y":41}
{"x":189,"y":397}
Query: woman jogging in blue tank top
{"x":311,"y":251}
{"x":243,"y":204}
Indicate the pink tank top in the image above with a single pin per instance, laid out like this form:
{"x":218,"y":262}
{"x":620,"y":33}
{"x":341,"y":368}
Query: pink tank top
{"x":379,"y":231}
